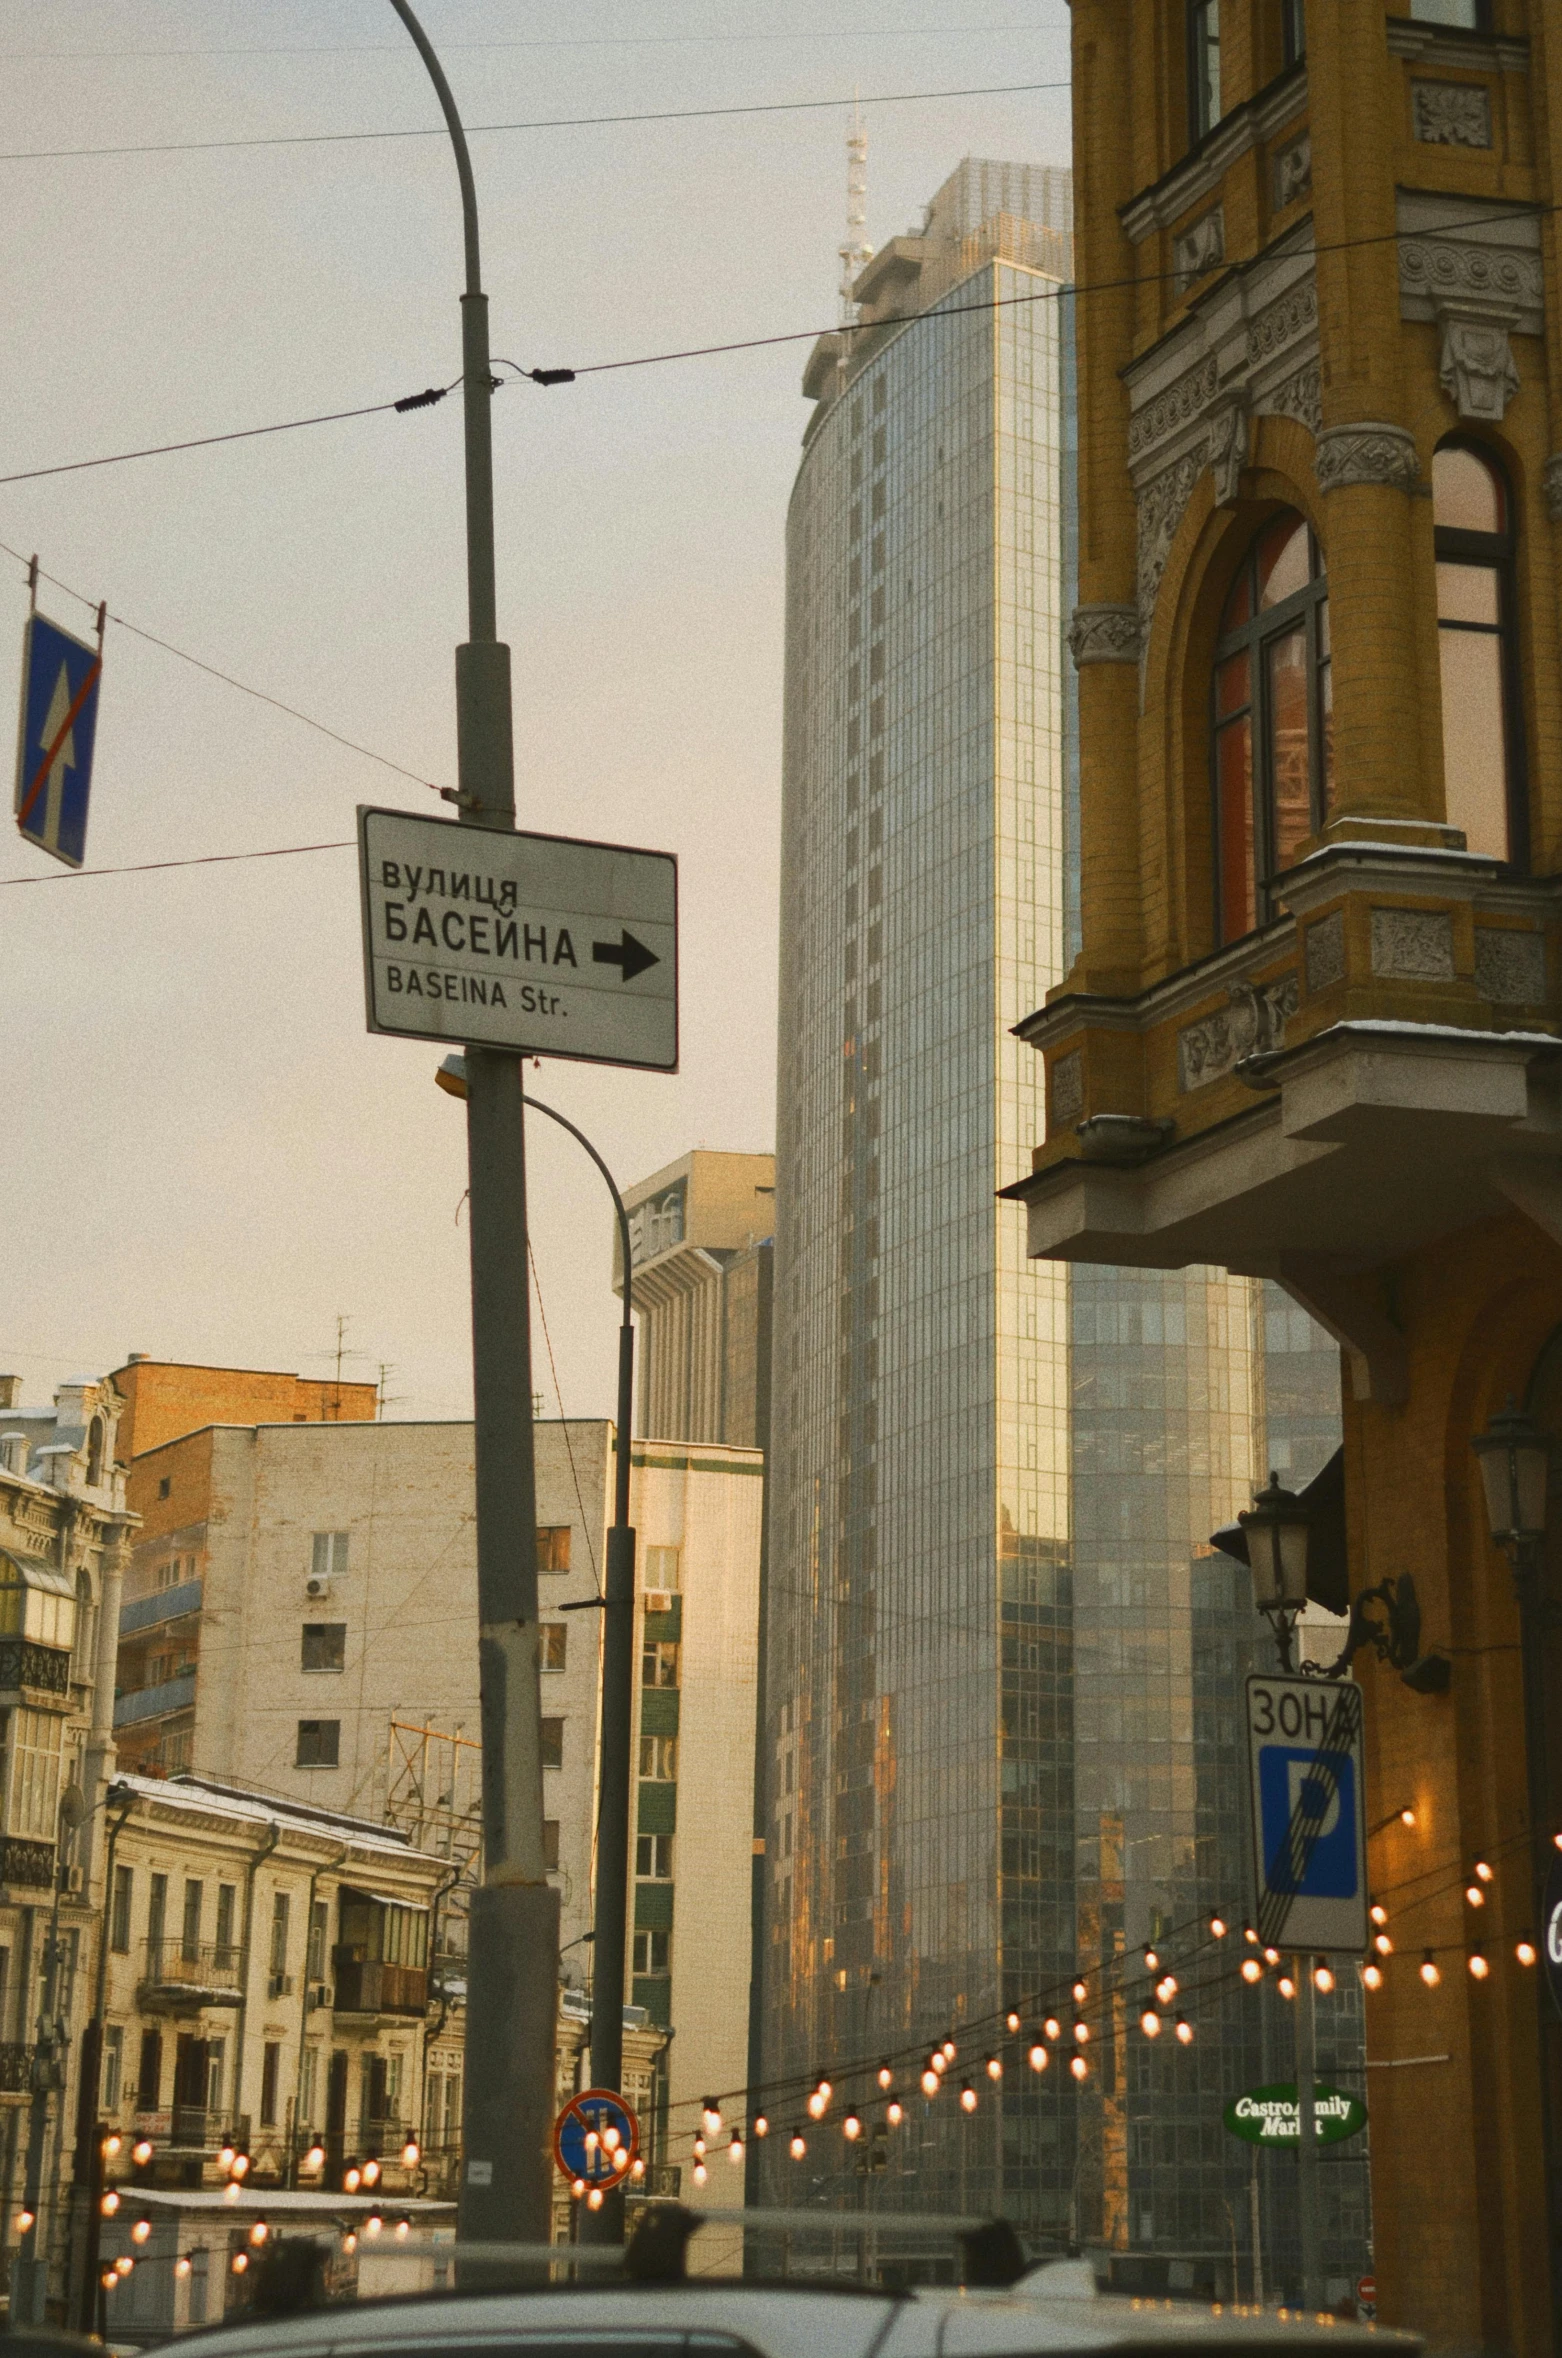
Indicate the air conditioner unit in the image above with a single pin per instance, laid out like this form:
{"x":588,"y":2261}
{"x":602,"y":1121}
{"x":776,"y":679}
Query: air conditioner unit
{"x":319,"y":1996}
{"x":279,"y":1985}
{"x":658,"y":1600}
{"x":318,"y":1584}
{"x":75,"y":1879}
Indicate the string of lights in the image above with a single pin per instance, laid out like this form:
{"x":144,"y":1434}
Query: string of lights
{"x":1182,"y":1995}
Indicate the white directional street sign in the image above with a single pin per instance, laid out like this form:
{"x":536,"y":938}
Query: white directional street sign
{"x":1309,"y":1812}
{"x":529,"y":942}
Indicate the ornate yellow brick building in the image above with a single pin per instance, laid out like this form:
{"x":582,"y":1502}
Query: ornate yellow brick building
{"x":1312,"y":1031}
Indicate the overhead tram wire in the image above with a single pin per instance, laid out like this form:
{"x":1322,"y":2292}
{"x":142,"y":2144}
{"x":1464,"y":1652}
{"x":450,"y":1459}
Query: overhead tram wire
{"x":1071,"y":291}
{"x":683,"y":114}
{"x":581,"y":41}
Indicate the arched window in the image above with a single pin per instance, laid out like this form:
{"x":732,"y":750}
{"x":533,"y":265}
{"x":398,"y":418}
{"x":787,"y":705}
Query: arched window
{"x":1273,"y":719}
{"x":1203,"y":68}
{"x":95,"y":1453}
{"x":1470,"y":513}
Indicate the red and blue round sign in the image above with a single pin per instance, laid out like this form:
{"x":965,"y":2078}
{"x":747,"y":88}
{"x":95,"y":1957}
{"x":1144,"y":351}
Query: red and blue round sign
{"x":596,"y":2138}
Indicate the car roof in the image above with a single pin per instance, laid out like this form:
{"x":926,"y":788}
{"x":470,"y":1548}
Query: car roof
{"x":793,"y":2319}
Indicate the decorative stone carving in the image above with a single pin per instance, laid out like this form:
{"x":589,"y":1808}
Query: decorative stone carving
{"x":1478,"y":372}
{"x":1104,"y":634}
{"x":1067,"y":1078}
{"x":1413,"y":945}
{"x":1473,"y":277}
{"x":1510,"y":967}
{"x":1228,"y":450}
{"x":1451,"y":114}
{"x":1293,"y":171}
{"x":1553,"y":483}
{"x":1366,"y":453}
{"x":1274,"y":330}
{"x":1324,"y":951}
{"x":1201,"y":246}
{"x":1299,"y":397}
{"x":1253,"y":1024}
{"x":1186,"y":399}
{"x":1161,"y":505}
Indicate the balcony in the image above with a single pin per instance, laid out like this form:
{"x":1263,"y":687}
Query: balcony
{"x":166,"y":1604}
{"x":29,"y":1865}
{"x":46,"y":1670}
{"x":182,"y":1974}
{"x":370,"y":1988}
{"x":1260,"y":1109}
{"x":169,"y":1695}
{"x":16,"y":2067}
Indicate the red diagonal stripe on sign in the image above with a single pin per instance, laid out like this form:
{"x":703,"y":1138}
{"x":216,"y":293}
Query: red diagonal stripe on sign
{"x":66,"y":725}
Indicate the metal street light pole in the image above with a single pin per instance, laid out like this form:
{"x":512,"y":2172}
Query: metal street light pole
{"x":512,"y":1986}
{"x":610,"y":1918}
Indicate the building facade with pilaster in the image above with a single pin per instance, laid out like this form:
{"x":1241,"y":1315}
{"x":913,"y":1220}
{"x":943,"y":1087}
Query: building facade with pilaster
{"x":1313,"y":1028}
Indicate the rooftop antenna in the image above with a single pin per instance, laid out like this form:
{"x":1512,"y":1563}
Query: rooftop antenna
{"x":856,"y":253}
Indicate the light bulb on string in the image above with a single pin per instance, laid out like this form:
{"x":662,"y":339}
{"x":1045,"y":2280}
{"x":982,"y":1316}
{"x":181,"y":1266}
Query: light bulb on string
{"x":374,"y":2224}
{"x":1052,"y":2028}
{"x":184,"y":2264}
{"x":1407,"y":1817}
{"x":851,"y":2127}
{"x":108,"y":2206}
{"x":25,"y":2220}
{"x":710,"y":2116}
{"x":1078,"y":2066}
{"x":239,"y":2263}
{"x":259,"y":2231}
{"x":949,"y":2050}
{"x":1184,"y":2031}
{"x":352,"y":2178}
{"x":124,"y":2264}
{"x":411,"y":2154}
{"x":1152,"y":1962}
{"x":1383,"y":1944}
{"x":578,"y":2188}
{"x":930,"y":2082}
{"x":816,"y":2105}
{"x":621,"y":2157}
{"x":1252,"y":1970}
{"x":699,"y":2147}
{"x":141,"y":2230}
{"x":1323,"y":1976}
{"x":1429,"y":1971}
{"x":701,"y":2173}
{"x":1286,"y":1986}
{"x":1271,"y":1956}
{"x":1474,"y":1896}
{"x":1011,"y":2022}
{"x":1524,"y":1949}
{"x":141,"y":2152}
{"x":886,"y":2076}
{"x":1081,"y":2032}
{"x":1483,"y":1871}
{"x":1150,"y":2023}
{"x":894,"y":2112}
{"x":314,"y":2159}
{"x":371,"y":2169}
{"x":761,"y":2124}
{"x":798,"y":2146}
{"x":1038,"y":2056}
{"x":1250,"y":1934}
{"x":1479,"y":1968}
{"x":1218,"y":1927}
{"x":403,"y":2227}
{"x":637,"y":2170}
{"x":112,"y":2143}
{"x":1080,"y":1993}
{"x":1372,"y":1975}
{"x":1378,"y":1912}
{"x":734,"y":2150}
{"x":939,"y":2061}
{"x":967,"y":2097}
{"x":1166,"y":1988}
{"x":994,"y":2068}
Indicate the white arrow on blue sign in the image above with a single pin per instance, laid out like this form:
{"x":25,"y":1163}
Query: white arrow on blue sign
{"x":1309,"y":1812}
{"x":60,"y":681}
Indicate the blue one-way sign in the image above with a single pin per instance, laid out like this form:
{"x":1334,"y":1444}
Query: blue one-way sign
{"x":60,"y":681}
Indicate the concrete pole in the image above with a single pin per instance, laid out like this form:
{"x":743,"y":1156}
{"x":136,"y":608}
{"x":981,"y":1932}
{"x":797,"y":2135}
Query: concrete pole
{"x":513,"y":1966}
{"x":1307,"y":2188}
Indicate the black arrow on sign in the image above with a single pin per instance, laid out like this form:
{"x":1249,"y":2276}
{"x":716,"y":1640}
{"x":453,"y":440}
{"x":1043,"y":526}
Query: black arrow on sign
{"x":631,"y":955}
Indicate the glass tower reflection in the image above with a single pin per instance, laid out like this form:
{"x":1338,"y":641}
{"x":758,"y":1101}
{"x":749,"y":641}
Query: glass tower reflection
{"x":1004,"y":1668}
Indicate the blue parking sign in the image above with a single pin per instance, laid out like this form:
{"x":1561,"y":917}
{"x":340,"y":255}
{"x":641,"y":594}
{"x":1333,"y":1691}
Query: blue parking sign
{"x":1308,"y":1812}
{"x":59,"y":719}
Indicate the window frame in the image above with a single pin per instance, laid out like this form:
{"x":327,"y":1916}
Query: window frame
{"x":1252,"y":637}
{"x":1198,"y":46}
{"x":1493,"y":552}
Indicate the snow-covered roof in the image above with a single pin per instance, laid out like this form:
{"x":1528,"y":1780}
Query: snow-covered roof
{"x":194,"y":1795}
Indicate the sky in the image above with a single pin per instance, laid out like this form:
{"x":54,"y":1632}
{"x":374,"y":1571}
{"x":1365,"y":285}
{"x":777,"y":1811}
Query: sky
{"x":203,"y":1153}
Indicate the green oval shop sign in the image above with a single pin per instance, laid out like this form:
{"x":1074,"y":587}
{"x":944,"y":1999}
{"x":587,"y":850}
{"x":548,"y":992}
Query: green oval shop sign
{"x":1270,"y":2116}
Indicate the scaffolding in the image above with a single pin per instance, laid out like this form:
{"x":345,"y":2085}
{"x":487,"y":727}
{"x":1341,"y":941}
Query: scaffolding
{"x":433,"y":1790}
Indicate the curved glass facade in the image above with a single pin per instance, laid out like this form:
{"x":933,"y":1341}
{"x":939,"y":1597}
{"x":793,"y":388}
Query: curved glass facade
{"x":1003,"y":1669}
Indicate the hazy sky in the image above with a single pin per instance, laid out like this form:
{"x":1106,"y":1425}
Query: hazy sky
{"x":203,"y":1154}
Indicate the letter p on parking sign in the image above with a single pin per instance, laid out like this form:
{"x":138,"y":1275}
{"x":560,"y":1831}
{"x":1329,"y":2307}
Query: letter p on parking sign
{"x":1308,"y":1809}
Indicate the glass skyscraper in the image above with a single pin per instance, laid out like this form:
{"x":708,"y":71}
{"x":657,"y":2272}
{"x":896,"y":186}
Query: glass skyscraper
{"x":1003,"y":1686}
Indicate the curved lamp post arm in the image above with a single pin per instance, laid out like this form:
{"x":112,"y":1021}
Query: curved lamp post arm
{"x":564,"y":1123}
{"x":436,"y":74}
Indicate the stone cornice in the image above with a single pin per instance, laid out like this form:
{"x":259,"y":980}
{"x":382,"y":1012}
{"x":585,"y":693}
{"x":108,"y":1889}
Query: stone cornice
{"x":1177,"y":191}
{"x":1447,"y":45}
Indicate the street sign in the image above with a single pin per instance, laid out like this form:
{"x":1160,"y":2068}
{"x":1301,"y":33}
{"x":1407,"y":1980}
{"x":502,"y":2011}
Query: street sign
{"x":1309,"y":1812}
{"x":1272,"y":2116}
{"x":590,"y":2133}
{"x":1367,"y":2297}
{"x":535,"y":943}
{"x":59,"y":721}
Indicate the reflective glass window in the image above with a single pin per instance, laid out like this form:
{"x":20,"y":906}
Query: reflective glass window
{"x":1474,"y":600}
{"x":1273,"y":720}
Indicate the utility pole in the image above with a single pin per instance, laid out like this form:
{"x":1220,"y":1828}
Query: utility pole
{"x":513,"y":1967}
{"x":1307,"y":2188}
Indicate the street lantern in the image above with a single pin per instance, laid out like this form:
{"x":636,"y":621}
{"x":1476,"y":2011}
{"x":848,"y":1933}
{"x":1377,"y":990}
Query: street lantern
{"x":1514,"y":1461}
{"x":1275,"y":1527}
